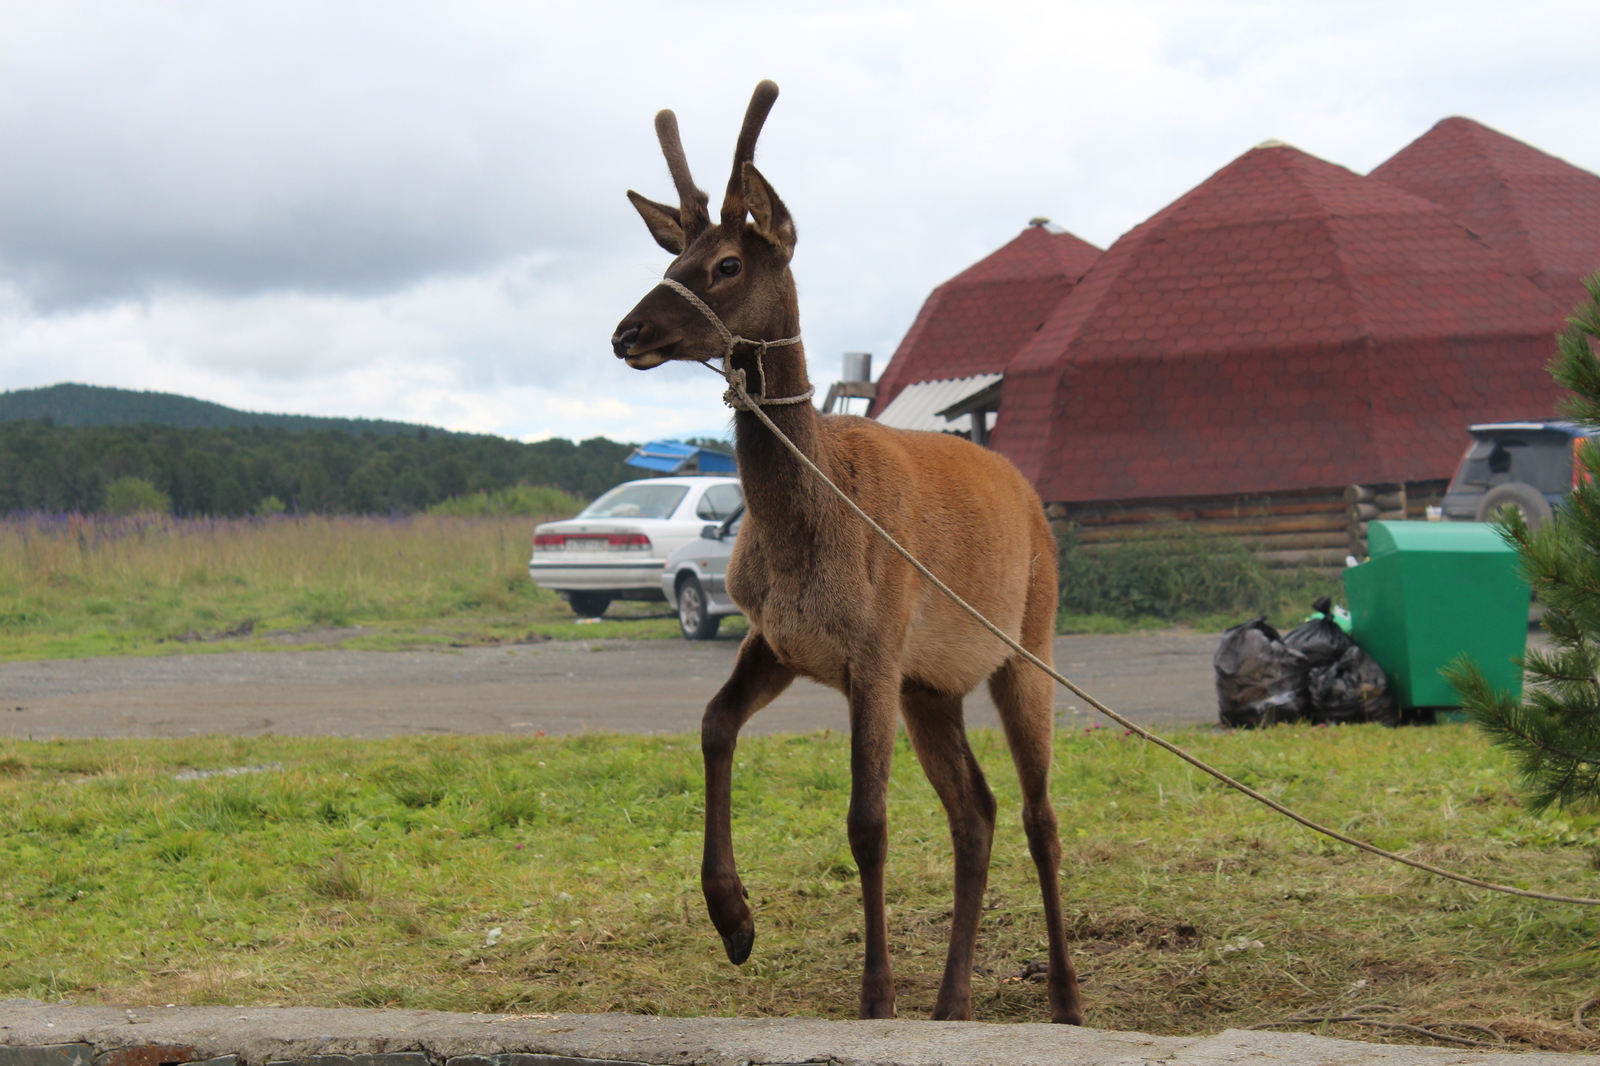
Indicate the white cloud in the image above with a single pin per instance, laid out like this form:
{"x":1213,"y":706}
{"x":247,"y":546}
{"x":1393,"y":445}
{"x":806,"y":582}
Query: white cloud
{"x":414,"y":210}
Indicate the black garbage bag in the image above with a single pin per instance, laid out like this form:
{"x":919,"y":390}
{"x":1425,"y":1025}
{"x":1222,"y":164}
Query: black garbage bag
{"x":1320,"y":640}
{"x":1260,"y":680}
{"x":1353,"y":688}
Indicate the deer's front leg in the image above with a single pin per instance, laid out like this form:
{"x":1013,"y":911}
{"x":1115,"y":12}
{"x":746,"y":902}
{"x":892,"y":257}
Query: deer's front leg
{"x":874,"y":710}
{"x":757,"y":679}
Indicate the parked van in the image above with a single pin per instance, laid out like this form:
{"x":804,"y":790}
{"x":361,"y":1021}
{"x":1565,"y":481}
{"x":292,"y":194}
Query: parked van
{"x":1526,"y":465}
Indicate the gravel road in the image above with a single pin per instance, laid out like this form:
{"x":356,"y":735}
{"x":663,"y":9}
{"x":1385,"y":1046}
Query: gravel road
{"x":1160,"y":678}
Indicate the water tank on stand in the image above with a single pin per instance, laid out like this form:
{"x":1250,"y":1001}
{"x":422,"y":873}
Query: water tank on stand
{"x":857,"y":366}
{"x":856,"y":380}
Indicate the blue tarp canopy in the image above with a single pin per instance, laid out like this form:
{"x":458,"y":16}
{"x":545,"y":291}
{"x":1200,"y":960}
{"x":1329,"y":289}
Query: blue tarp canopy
{"x":671,"y":457}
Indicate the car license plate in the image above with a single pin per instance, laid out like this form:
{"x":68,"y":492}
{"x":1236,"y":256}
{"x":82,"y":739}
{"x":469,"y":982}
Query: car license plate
{"x":586,"y":544}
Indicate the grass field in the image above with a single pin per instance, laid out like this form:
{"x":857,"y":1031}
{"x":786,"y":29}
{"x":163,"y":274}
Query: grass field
{"x":73,"y":586}
{"x":562,"y":874}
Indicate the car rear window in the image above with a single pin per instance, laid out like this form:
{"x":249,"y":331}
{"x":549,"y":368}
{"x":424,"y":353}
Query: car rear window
{"x":1543,"y":460}
{"x":637,"y":501}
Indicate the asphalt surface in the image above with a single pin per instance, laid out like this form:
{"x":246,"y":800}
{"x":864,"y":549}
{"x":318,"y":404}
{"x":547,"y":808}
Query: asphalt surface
{"x":1161,"y":679}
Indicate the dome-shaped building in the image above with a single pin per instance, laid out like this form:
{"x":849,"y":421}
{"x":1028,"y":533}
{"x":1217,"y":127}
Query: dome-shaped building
{"x":1283,"y":330}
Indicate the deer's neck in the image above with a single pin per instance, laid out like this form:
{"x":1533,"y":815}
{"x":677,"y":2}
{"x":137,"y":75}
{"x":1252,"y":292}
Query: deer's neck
{"x":779,"y":491}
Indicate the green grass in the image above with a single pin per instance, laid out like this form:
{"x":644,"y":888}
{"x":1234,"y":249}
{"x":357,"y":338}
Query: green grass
{"x":545,"y":874}
{"x":148,"y":585}
{"x":74,"y":586}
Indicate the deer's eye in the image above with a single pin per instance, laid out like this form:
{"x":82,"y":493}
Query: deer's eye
{"x":729,"y":267}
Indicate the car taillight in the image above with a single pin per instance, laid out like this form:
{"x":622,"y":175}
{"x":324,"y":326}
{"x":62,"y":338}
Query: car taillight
{"x":1580,"y":473}
{"x":549,"y":541}
{"x":628,"y":542}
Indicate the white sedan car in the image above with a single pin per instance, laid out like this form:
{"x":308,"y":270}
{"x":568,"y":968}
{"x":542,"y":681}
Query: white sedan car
{"x":695,"y":579}
{"x":614,"y":548}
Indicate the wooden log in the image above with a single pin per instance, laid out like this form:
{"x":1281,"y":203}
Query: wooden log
{"x":1364,"y":512}
{"x":1328,"y":523}
{"x":1387,"y":497}
{"x":1280,"y":541}
{"x":1386,"y":516}
{"x":1255,"y":545}
{"x":1334,"y":539}
{"x":1091,"y":516}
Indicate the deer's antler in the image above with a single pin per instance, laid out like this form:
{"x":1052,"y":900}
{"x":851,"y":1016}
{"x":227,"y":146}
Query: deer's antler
{"x":755,"y":116}
{"x":692,"y":202}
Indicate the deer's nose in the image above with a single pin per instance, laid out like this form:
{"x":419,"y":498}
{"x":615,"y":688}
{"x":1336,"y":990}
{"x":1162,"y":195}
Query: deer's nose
{"x":621,"y":342}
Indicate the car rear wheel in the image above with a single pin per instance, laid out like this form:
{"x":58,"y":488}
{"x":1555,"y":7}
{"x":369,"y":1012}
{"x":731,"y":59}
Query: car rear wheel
{"x":588,"y":604}
{"x":1536,"y":510}
{"x":694,"y":613}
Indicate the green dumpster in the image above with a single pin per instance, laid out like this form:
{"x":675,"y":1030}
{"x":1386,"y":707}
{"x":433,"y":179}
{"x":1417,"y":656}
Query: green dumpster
{"x":1431,"y":591}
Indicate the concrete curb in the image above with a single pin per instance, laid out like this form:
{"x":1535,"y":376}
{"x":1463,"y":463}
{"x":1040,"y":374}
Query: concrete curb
{"x":40,"y":1034}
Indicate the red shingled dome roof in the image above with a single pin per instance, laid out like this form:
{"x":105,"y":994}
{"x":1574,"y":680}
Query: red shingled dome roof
{"x":978,"y":320}
{"x":1541,"y":213}
{"x":1285,"y":324}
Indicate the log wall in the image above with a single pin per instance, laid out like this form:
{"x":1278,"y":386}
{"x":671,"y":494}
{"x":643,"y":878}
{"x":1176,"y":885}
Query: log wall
{"x":1315,"y":528}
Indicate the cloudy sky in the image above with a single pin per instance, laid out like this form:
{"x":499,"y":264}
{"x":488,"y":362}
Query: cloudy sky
{"x":415,"y":211}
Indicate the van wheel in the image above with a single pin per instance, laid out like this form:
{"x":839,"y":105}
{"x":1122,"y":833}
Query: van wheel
{"x":694,"y":613}
{"x":588,"y":604}
{"x":1535,"y":509}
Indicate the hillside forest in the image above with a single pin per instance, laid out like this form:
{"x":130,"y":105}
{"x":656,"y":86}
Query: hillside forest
{"x":240,"y":470}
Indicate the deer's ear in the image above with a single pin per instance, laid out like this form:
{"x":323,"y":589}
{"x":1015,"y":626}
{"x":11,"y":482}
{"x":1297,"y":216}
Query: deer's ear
{"x":768,"y":217}
{"x":664,"y":223}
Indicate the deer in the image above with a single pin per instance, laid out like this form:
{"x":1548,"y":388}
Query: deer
{"x":828,"y":601}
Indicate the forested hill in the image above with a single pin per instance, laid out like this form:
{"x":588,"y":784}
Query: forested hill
{"x":97,"y":405}
{"x":238,"y":470}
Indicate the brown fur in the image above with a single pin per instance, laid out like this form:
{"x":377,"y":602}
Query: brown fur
{"x":827,"y":600}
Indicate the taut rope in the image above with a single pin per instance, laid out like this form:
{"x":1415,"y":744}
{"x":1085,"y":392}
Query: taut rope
{"x":736,"y":392}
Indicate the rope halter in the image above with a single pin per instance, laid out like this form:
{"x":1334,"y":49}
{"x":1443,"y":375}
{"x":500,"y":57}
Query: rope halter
{"x":737,"y":397}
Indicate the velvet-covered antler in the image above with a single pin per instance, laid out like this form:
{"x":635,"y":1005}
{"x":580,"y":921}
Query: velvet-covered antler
{"x":692,"y":202}
{"x":755,"y":116}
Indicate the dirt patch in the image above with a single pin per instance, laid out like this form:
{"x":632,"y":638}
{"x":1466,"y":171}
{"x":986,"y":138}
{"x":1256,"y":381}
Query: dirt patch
{"x":320,"y":635}
{"x":195,"y":636}
{"x":1103,"y":934}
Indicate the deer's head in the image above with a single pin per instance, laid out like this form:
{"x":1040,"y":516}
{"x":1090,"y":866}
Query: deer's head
{"x":738,"y":267}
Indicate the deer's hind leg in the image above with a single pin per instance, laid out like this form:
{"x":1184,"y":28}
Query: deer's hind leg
{"x":1024,"y":696}
{"x":757,"y":679}
{"x":939,"y":736}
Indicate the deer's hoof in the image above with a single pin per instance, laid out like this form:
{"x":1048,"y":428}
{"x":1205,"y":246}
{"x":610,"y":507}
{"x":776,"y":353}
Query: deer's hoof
{"x":1066,"y":1014}
{"x":739,"y":942}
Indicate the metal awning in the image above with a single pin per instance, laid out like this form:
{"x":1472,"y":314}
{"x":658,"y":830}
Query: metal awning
{"x":670,"y":457}
{"x":922,"y":405}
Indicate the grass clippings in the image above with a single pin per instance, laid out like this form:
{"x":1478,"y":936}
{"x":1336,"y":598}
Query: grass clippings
{"x":561,"y":874}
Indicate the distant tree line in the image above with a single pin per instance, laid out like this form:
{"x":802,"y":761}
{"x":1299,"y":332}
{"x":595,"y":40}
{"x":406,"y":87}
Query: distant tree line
{"x":70,"y":404}
{"x":241,"y":470}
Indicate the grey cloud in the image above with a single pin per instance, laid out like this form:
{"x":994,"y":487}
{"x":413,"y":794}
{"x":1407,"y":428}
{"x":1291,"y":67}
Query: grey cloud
{"x":215,"y":148}
{"x":295,"y":191}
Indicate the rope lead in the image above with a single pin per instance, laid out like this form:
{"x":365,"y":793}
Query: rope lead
{"x":735,"y":379}
{"x":736,"y":397}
